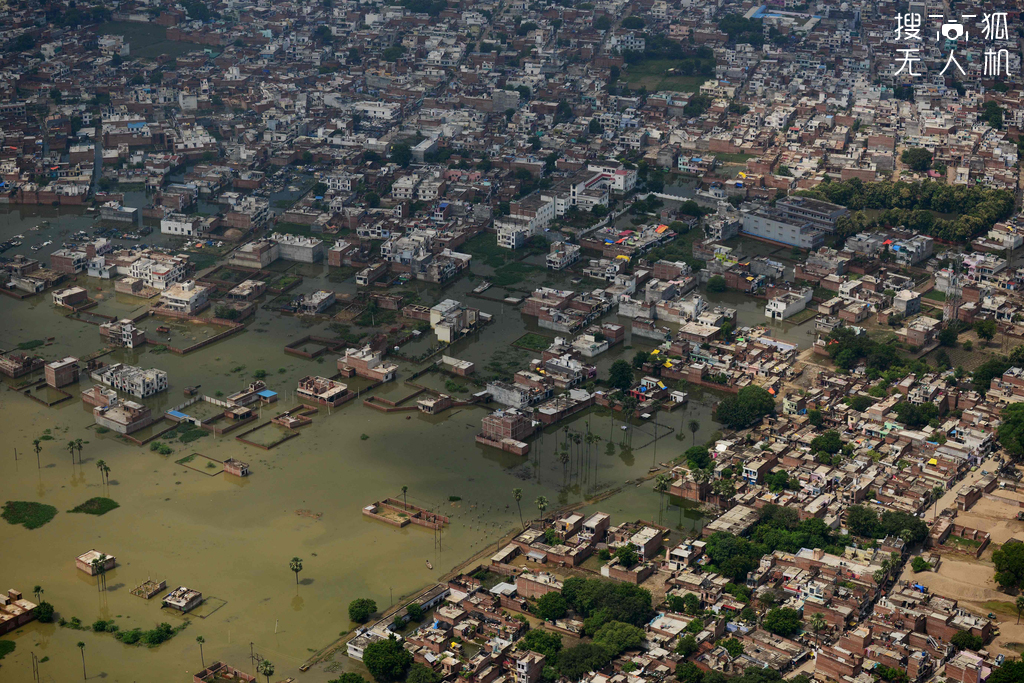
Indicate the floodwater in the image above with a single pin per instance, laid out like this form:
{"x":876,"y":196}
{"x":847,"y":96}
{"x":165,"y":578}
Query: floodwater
{"x":233,"y":539}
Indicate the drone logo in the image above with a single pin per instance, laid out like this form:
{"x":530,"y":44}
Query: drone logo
{"x":952,"y":31}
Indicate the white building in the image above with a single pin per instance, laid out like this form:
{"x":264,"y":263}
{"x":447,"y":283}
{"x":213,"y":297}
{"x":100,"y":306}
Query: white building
{"x":132,"y":380}
{"x":182,"y":224}
{"x":788,"y":304}
{"x":186,"y":297}
{"x":159,"y":273}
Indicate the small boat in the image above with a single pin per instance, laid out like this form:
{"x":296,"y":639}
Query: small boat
{"x":429,"y":566}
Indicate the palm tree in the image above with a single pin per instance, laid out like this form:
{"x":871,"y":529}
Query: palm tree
{"x":106,"y":472}
{"x":563,"y":457}
{"x":661,"y":485}
{"x":542,"y":504}
{"x":201,"y":640}
{"x":100,"y":465}
{"x":818,"y":624}
{"x":1020,"y":606}
{"x":78,"y":445}
{"x":296,"y":566}
{"x":694,"y":428}
{"x":266,"y":668}
{"x":577,"y":438}
{"x":405,"y":501}
{"x":71,"y":449}
{"x":517,"y":494}
{"x":36,"y":444}
{"x":81,"y":646}
{"x":701,"y":476}
{"x":36,"y":591}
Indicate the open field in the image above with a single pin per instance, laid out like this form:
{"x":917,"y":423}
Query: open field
{"x":655,"y":75}
{"x":146,"y":40}
{"x":994,"y":517}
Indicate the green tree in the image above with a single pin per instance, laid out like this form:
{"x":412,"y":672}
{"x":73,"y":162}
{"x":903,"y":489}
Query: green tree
{"x":688,"y":672}
{"x":517,"y":495}
{"x":1009,"y":562}
{"x":386,"y":660}
{"x":349,"y":677}
{"x":919,"y":564}
{"x":1020,"y":606}
{"x":551,"y":606}
{"x":733,"y":646}
{"x":421,"y":674}
{"x":617,"y":637}
{"x":296,"y":566}
{"x":815,"y":417}
{"x":965,"y":640}
{"x":266,"y":667}
{"x":547,"y":643}
{"x":542,"y":504}
{"x":640,"y":358}
{"x":360,"y":609}
{"x":1012,"y":671}
{"x":401,"y":154}
{"x":686,"y":646}
{"x":817,"y":624}
{"x":620,"y":375}
{"x":694,"y":427}
{"x":782,"y":621}
{"x":576,"y":662}
{"x":717,"y":284}
{"x":917,"y":158}
{"x":745,"y":408}
{"x":828,"y":442}
{"x":627,"y":555}
{"x":985,"y":329}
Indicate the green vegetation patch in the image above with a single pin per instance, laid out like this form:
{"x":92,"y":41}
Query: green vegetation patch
{"x":6,"y":648}
{"x":30,"y":515}
{"x":533,"y":341}
{"x":96,"y":506}
{"x":484,"y":247}
{"x":34,"y":343}
{"x":662,"y":74}
{"x":512,"y":273}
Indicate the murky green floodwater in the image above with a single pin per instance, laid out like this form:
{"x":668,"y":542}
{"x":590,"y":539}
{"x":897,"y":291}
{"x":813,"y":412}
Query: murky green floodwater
{"x":232,"y":539}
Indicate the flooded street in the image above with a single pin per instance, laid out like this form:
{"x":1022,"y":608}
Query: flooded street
{"x":232,"y":539}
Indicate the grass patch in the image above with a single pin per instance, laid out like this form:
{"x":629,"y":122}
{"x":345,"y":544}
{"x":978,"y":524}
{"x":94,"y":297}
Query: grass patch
{"x":802,"y":316}
{"x":655,"y":75}
{"x":186,"y":432}
{"x":511,"y":273}
{"x":1000,"y":607}
{"x":6,"y":648}
{"x":96,"y":506}
{"x":934,"y":295}
{"x":733,"y":158}
{"x":533,"y":341}
{"x":965,"y":542}
{"x":484,"y":247}
{"x":34,"y":343}
{"x":30,"y":515}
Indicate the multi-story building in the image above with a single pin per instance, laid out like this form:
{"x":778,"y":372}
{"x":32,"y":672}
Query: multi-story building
{"x":136,"y":381}
{"x":182,"y":224}
{"x":160,"y":271}
{"x":185,"y":297}
{"x":123,"y":333}
{"x":562,"y":255}
{"x":299,"y":248}
{"x":772,"y":225}
{"x":60,"y":373}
